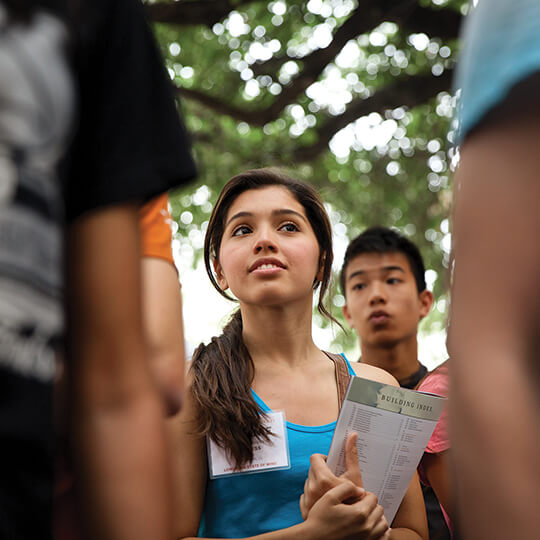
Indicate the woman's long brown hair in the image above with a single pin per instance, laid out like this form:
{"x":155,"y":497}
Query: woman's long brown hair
{"x":223,"y":370}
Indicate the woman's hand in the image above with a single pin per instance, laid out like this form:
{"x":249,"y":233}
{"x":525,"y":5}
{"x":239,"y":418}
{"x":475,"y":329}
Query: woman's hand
{"x":340,"y":505}
{"x":321,"y":479}
{"x":332,"y":516}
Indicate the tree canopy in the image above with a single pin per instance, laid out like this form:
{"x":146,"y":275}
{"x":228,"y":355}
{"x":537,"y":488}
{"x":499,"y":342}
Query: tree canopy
{"x":352,"y":96}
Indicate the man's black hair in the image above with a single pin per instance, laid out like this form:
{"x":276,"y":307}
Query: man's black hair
{"x":384,"y":240}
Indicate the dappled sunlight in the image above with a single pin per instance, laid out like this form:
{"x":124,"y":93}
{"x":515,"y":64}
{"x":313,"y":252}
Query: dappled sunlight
{"x":356,"y":101}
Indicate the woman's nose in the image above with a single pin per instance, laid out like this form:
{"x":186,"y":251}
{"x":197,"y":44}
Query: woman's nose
{"x":265,"y":241}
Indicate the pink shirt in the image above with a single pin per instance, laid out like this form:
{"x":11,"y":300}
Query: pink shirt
{"x":436,"y":382}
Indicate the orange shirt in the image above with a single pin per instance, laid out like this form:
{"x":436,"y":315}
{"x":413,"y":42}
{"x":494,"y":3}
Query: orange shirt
{"x":156,"y":233}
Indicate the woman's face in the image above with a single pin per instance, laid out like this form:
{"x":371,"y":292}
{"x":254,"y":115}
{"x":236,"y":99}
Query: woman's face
{"x":269,"y":254}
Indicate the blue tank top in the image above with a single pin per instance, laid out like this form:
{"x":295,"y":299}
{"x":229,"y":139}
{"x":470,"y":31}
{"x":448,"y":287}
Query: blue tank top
{"x":249,"y":504}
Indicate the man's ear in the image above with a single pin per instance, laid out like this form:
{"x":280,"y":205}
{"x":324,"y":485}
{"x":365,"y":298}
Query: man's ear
{"x":220,"y":276}
{"x":426,"y":302}
{"x":347,"y":316}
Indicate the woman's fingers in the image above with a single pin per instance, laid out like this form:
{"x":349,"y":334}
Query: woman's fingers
{"x":320,"y":479}
{"x":344,"y":491}
{"x":352,"y":466}
{"x":363,"y":519}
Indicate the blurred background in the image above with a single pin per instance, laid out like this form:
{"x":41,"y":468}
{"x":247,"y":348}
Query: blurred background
{"x":352,"y":96}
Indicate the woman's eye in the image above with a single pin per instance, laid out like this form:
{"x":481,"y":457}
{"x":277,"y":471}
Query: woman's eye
{"x":289,"y":227}
{"x":359,"y":286}
{"x":241,"y":230}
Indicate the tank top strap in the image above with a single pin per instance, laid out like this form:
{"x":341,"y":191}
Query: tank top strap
{"x":343,"y":375}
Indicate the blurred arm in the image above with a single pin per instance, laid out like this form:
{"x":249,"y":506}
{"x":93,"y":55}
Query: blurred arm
{"x":117,"y":420}
{"x":162,"y":302}
{"x":493,"y":337}
{"x":436,"y":467}
{"x":163,"y":328}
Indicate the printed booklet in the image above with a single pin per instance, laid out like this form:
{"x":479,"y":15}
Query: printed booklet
{"x":394,"y":426}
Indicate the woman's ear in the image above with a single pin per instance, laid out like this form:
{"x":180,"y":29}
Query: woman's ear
{"x":220,"y":276}
{"x":320,"y":272}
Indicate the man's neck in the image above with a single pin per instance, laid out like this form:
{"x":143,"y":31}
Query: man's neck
{"x":401,"y":361}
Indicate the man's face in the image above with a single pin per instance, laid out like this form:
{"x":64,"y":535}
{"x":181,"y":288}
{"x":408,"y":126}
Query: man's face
{"x":383,"y":304}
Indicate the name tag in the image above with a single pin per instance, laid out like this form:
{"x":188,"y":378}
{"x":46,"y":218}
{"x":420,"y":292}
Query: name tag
{"x":267,"y":456}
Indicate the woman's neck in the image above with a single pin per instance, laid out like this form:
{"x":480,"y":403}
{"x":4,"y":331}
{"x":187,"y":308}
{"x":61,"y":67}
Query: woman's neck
{"x":278,"y":334}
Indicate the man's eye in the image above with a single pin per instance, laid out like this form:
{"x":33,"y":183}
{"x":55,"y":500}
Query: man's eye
{"x":393,"y":281}
{"x":289,"y":227}
{"x":241,"y":230}
{"x":359,"y":286}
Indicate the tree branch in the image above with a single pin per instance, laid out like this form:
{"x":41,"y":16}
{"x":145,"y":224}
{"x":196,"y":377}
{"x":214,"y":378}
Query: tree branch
{"x":315,"y":62}
{"x":442,"y":23}
{"x":257,"y":118}
{"x":192,"y":12}
{"x":406,"y":91}
{"x":313,"y":67}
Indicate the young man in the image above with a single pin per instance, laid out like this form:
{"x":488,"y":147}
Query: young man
{"x":382,"y":279}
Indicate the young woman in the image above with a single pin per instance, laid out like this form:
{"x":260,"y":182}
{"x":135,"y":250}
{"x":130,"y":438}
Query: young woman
{"x":269,"y":242}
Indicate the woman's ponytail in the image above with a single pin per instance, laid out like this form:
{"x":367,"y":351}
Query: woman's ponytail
{"x":222,"y":375}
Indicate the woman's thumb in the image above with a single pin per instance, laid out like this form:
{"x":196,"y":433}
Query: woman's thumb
{"x":352,"y":466}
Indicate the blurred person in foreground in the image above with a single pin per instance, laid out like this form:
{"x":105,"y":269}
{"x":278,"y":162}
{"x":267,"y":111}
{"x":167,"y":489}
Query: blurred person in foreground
{"x":63,"y":94}
{"x":164,"y":340}
{"x":495,"y":308}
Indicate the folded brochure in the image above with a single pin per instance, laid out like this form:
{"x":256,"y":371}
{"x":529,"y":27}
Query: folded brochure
{"x":394,"y":426}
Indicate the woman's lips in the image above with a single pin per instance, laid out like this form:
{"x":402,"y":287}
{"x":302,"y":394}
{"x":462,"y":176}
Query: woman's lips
{"x":267,"y":269}
{"x":266,"y":264}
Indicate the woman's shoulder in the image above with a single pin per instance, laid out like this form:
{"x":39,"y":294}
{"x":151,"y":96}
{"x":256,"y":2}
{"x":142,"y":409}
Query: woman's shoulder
{"x":373,"y":373}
